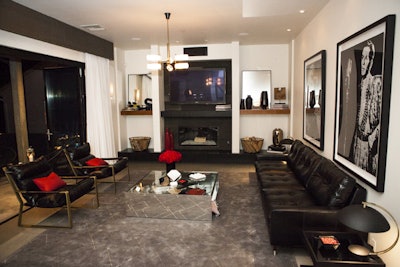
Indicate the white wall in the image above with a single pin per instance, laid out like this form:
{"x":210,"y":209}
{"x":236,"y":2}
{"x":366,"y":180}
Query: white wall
{"x":338,"y":20}
{"x":253,"y":57}
{"x":276,"y":59}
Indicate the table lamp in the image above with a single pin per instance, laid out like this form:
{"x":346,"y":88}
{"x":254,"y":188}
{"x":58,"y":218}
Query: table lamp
{"x":366,"y":219}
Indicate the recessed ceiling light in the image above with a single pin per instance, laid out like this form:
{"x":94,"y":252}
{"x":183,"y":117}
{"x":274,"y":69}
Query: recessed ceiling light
{"x":243,"y":34}
{"x":302,"y":11}
{"x":93,"y":27}
{"x":136,"y":38}
{"x":288,"y":30}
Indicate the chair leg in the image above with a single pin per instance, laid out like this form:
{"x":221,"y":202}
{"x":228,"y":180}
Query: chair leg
{"x":97,"y":191}
{"x":69,"y":214}
{"x":129,"y":173}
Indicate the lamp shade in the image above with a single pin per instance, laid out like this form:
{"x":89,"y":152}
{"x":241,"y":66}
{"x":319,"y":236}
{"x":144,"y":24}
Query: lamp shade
{"x":363,"y":218}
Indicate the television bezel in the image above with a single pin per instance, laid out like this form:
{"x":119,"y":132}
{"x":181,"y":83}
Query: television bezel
{"x":205,"y":102}
{"x":205,"y":64}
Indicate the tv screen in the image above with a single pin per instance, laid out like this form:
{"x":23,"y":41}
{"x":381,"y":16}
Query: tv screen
{"x":198,"y":86}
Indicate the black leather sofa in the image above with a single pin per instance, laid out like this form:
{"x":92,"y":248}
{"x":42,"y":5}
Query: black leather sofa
{"x":301,"y":191}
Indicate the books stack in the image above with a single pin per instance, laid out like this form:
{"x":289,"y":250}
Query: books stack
{"x":223,"y":107}
{"x":280,"y":106}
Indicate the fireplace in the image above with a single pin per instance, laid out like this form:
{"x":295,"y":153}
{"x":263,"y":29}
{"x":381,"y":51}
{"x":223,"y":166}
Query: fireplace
{"x":198,"y":136}
{"x":200,"y":130}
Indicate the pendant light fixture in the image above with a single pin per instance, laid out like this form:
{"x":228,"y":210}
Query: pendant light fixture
{"x":155,"y":61}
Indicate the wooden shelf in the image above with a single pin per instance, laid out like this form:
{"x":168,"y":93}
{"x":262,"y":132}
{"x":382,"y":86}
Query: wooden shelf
{"x":136,"y":112}
{"x":264,"y":111}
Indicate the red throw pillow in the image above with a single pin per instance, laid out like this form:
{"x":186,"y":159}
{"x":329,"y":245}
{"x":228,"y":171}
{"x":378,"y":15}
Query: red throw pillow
{"x":50,"y":183}
{"x":96,"y":162}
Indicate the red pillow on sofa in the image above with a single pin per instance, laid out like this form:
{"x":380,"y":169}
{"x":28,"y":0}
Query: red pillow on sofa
{"x":50,"y":182}
{"x":96,"y":162}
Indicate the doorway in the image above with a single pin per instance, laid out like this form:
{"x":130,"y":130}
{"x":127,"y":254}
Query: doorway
{"x":55,"y":107}
{"x":54,"y":92}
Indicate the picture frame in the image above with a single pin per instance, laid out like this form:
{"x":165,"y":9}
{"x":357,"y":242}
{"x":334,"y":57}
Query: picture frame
{"x":314,"y":99}
{"x":363,"y":88}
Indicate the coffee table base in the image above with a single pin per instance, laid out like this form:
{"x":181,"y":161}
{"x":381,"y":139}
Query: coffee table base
{"x":164,"y":206}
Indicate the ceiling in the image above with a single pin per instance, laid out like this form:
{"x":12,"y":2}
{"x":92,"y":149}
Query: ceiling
{"x":137,"y":24}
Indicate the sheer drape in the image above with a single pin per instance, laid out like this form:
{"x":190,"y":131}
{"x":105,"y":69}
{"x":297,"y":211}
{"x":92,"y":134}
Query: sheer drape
{"x":100,"y":130}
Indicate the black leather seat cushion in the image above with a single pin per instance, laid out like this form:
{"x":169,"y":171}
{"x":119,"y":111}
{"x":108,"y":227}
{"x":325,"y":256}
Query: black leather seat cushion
{"x":281,"y":179}
{"x":58,"y":200}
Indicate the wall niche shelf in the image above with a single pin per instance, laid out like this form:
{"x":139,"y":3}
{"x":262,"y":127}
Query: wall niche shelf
{"x":264,"y":111}
{"x":136,"y":112}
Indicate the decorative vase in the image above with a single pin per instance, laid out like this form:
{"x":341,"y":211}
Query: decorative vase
{"x":264,"y":100}
{"x":242,"y":105}
{"x":312,"y":99}
{"x":170,"y":166}
{"x":167,"y":140}
{"x":249,"y":102}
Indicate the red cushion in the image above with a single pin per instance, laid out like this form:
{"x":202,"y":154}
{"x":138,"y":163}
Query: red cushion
{"x":96,"y":162}
{"x":49,"y":183}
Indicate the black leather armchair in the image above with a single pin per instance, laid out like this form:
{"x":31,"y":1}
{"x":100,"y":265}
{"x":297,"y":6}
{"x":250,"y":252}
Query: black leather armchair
{"x":78,"y":159}
{"x":21,"y":178}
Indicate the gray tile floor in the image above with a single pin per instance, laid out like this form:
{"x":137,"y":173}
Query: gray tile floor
{"x":237,"y":238}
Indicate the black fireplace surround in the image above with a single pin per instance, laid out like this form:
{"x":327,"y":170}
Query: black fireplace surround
{"x":200,"y":130}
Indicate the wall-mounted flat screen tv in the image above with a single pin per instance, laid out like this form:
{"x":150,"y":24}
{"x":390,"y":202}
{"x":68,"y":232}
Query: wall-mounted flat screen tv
{"x":198,"y":86}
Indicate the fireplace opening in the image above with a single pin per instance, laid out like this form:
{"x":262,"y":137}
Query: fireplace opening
{"x":198,"y":136}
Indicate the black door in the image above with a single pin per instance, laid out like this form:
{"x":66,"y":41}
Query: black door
{"x":65,"y":105}
{"x":55,"y":107}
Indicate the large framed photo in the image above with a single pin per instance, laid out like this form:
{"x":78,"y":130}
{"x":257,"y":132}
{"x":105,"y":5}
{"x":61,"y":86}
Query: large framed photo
{"x":363,"y":85}
{"x":314,"y":99}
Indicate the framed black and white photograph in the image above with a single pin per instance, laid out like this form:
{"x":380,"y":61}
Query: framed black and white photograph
{"x":363,"y":85}
{"x":314,"y":99}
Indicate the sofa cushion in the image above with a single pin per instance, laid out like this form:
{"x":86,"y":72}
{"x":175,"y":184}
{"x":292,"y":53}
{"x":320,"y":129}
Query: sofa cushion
{"x":96,"y":162}
{"x":330,"y":186}
{"x":309,"y":162}
{"x":285,"y":198}
{"x":49,"y":183}
{"x":279,"y":179}
{"x":81,"y":151}
{"x":58,"y":200}
{"x":24,"y":174}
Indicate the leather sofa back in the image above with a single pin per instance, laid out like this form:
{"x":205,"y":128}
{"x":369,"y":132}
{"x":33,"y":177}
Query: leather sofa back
{"x":23,"y":174}
{"x":305,"y":164}
{"x":330,"y":186}
{"x":81,"y":151}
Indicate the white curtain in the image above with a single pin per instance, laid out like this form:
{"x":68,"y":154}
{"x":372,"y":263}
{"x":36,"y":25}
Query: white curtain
{"x":100,"y":130}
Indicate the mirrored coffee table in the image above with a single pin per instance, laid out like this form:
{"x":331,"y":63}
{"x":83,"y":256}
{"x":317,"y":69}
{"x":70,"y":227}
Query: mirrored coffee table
{"x":190,"y":199}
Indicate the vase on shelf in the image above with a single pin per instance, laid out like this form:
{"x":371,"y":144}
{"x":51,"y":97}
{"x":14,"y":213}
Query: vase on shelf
{"x":170,"y":166}
{"x":312,"y":99}
{"x":249,"y":102}
{"x":242,"y":105}
{"x":264,"y":100}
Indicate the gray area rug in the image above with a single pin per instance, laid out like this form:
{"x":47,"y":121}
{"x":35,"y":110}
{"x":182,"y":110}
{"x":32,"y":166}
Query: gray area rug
{"x":107,"y":237}
{"x":9,"y":204}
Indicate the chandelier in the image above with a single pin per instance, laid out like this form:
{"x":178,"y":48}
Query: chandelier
{"x":155,"y":62}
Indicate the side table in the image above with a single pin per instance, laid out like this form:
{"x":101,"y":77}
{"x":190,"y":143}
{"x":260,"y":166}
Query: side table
{"x":323,"y":257}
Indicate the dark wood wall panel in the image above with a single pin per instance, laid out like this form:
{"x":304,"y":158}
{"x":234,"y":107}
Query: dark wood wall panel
{"x":27,"y":22}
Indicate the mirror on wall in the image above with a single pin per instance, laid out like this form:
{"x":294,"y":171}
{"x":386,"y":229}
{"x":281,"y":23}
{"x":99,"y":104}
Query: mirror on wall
{"x":139,"y":88}
{"x":314,"y":99}
{"x":254,"y":82}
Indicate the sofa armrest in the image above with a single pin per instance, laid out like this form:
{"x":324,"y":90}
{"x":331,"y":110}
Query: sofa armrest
{"x":286,"y":225}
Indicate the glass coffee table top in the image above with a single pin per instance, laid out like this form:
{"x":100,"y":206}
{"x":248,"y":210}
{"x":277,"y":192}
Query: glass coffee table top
{"x":157,"y":182}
